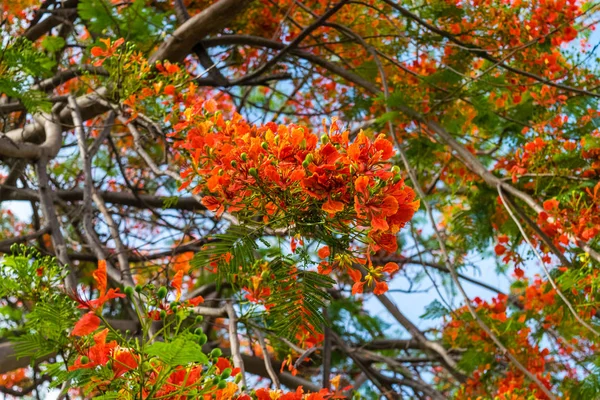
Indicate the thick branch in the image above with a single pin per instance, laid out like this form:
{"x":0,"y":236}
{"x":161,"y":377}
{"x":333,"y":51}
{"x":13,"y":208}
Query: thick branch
{"x":210,"y":20}
{"x":119,"y":198}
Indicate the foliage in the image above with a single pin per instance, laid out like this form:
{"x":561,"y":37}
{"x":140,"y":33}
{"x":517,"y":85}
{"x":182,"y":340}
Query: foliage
{"x":226,"y":191}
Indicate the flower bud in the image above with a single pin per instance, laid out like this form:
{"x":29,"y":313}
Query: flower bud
{"x":162,"y":292}
{"x":163,"y":314}
{"x":216,"y":353}
{"x":203,"y":339}
{"x":234,"y":163}
{"x":264,"y":145}
{"x":253,"y":172}
{"x":396,"y":170}
{"x":138,"y":288}
{"x":198,"y":331}
{"x":128,"y":290}
{"x":244,"y":157}
{"x":199,"y":319}
{"x":325,"y":139}
{"x":84,"y":360}
{"x":174,"y":304}
{"x":222,"y":385}
{"x":226,"y":373}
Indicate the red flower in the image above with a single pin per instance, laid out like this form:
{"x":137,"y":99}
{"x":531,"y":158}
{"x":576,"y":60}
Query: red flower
{"x":97,"y":355}
{"x":123,"y":361}
{"x":100,"y":52}
{"x":519,"y":272}
{"x":214,"y":205}
{"x":499,"y":249}
{"x":257,"y":293}
{"x":86,"y":325}
{"x":196,"y":300}
{"x":324,"y":252}
{"x":90,"y":321}
{"x":550,"y":205}
{"x":391,"y":268}
{"x":380,"y":288}
{"x":223,"y":363}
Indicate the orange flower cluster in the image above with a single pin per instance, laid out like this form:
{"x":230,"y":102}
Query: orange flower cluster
{"x":294,"y":180}
{"x":462,"y":331}
{"x":298,"y":394}
{"x":101,"y":353}
{"x":185,"y":381}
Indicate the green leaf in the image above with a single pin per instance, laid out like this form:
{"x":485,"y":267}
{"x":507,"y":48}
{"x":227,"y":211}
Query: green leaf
{"x":181,"y":351}
{"x":97,"y":13}
{"x":297,"y":299}
{"x":53,"y":43}
{"x":239,"y":241}
{"x":435,"y":310}
{"x":109,"y":396}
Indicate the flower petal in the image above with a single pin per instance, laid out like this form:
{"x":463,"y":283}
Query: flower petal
{"x":86,"y":325}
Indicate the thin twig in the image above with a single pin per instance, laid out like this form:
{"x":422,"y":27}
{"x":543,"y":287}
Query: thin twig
{"x":267,"y":358}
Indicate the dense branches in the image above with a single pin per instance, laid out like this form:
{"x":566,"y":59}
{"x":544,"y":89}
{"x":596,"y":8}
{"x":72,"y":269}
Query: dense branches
{"x":181,"y":144}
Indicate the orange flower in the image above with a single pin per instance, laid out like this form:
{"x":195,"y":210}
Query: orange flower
{"x":90,"y":321}
{"x":107,"y":52}
{"x":499,"y":249}
{"x":550,"y":205}
{"x":214,"y":205}
{"x":176,"y":283}
{"x":380,"y":288}
{"x":123,"y":361}
{"x":324,"y":252}
{"x":86,"y":325}
{"x":333,"y":206}
{"x":97,"y":355}
{"x":223,"y":363}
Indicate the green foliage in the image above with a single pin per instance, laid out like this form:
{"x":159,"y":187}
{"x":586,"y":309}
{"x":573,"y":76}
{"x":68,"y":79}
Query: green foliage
{"x":97,"y":14}
{"x":350,"y":319}
{"x":239,"y":241}
{"x":470,"y":225}
{"x":297,"y":297}
{"x":435,"y":310}
{"x":50,"y":323}
{"x":181,"y":351}
{"x":136,"y":22}
{"x":109,"y":396}
{"x":34,"y":279}
{"x":19,"y":64}
{"x":53,"y":43}
{"x":472,"y":358}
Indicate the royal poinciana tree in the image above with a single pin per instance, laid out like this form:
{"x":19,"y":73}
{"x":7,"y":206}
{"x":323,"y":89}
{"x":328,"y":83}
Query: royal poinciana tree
{"x":220,"y":199}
